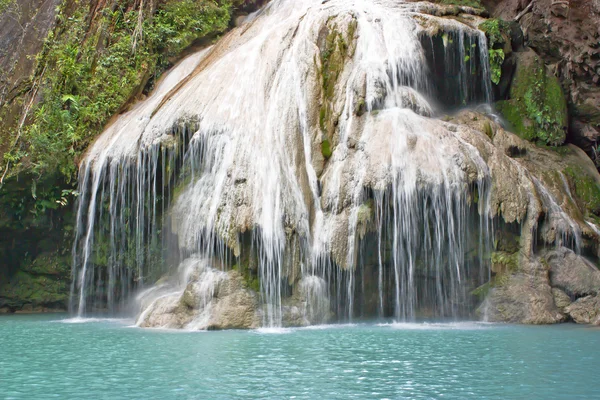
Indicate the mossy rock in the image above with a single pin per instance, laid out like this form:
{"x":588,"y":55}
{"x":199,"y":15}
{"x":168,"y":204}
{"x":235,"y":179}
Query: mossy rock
{"x":337,"y":45}
{"x":503,"y":262}
{"x":464,"y":3}
{"x":39,"y":284}
{"x":50,"y":264}
{"x":585,"y":187}
{"x":35,"y":292}
{"x":537,"y":109}
{"x":250,"y":278}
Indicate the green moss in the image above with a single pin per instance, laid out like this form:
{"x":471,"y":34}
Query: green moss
{"x":586,"y":189}
{"x":503,"y":266}
{"x":537,"y":109}
{"x":326,"y":149}
{"x":50,"y":264}
{"x":335,"y":51}
{"x":366,"y":212}
{"x":512,"y":113}
{"x":25,"y":288}
{"x":250,"y":278}
{"x":488,"y":130}
{"x":483,"y":290}
{"x":465,"y":3}
{"x":506,"y":262}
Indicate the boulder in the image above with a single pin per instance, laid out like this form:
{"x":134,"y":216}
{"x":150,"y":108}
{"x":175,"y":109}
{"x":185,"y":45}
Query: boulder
{"x":585,"y":310}
{"x":573,"y":274}
{"x":211,"y":299}
{"x":235,"y":311}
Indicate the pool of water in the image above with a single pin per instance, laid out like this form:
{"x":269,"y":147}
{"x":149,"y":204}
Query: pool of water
{"x":52,"y":356}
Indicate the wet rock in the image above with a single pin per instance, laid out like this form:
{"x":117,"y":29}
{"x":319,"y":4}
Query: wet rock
{"x":573,"y":274}
{"x":235,"y":311}
{"x":585,"y":310}
{"x":211,"y":300}
{"x":561,"y":299}
{"x":309,"y":305}
{"x":524,"y":297}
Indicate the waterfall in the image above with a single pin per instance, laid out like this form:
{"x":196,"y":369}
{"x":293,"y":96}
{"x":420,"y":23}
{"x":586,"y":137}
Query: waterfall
{"x":303,"y":150}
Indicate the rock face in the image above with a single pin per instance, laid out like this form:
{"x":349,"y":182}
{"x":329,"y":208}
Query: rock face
{"x":24,"y":25}
{"x":557,"y":286}
{"x":40,"y":285}
{"x":565,"y":35}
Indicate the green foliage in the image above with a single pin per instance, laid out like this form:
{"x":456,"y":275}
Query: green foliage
{"x":89,"y":73}
{"x":250,"y":278}
{"x":537,"y":109}
{"x":25,"y":205}
{"x":496,"y":61}
{"x":497,"y":32}
{"x":179,"y":23}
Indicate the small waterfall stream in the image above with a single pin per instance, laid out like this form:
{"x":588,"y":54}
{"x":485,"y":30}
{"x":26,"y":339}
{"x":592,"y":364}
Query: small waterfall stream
{"x":301,"y":150}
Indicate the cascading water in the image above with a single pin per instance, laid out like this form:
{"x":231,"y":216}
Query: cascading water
{"x":301,"y":152}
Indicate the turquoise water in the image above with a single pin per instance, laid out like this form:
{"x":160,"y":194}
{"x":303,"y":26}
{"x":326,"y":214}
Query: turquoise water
{"x":43,"y":357}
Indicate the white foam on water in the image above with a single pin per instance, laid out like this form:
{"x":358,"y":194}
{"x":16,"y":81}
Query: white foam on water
{"x":432,"y":326}
{"x":273,"y":331}
{"x":327,"y":326}
{"x":82,"y":320}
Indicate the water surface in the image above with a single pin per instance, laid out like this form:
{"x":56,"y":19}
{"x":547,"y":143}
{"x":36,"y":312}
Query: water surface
{"x":51,"y":356}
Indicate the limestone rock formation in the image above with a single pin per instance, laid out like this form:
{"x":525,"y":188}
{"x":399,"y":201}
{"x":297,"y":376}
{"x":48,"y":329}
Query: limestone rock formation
{"x":573,"y":274}
{"x":523,"y":297}
{"x":200,"y":298}
{"x":319,"y":177}
{"x":312,"y":178}
{"x":585,"y":310}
